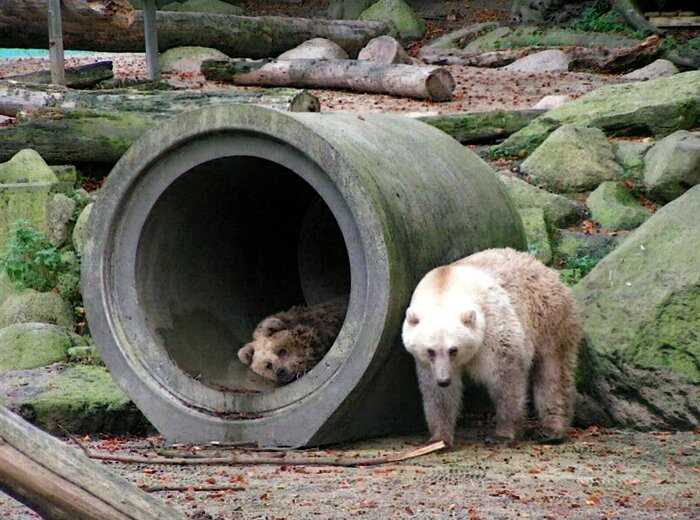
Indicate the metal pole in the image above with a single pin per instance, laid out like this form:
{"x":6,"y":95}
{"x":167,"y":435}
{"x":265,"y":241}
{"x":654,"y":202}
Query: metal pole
{"x":151,"y":32}
{"x":58,"y":72}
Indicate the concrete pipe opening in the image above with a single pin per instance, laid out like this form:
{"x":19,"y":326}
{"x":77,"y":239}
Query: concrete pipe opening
{"x":229,"y":214}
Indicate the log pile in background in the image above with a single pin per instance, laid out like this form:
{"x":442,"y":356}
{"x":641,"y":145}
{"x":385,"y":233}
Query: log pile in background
{"x":83,"y":76}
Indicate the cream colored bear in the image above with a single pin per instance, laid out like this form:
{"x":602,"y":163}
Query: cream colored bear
{"x":499,"y":316}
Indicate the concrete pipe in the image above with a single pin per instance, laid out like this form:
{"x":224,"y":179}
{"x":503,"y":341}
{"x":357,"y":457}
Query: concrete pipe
{"x":223,"y":216}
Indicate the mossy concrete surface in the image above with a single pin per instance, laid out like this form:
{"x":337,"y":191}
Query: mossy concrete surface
{"x":32,"y":345}
{"x":614,"y":208}
{"x":559,"y":211}
{"x":537,"y":235}
{"x":641,"y":301}
{"x":400,"y":15}
{"x":658,"y":107}
{"x":573,"y":159}
{"x":33,"y":306}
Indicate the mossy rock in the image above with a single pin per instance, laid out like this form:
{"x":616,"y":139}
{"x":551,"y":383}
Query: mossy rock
{"x":26,"y":166}
{"x":84,"y":399}
{"x":672,"y":165}
{"x":559,"y":211}
{"x":613,"y":207}
{"x":630,"y":155}
{"x":80,"y":231}
{"x":573,"y":159}
{"x":188,"y":59}
{"x":575,"y":244}
{"x":538,"y":243}
{"x":31,"y":306}
{"x":399,"y":14}
{"x":32,"y":345}
{"x":641,"y":301}
{"x":657,"y":107}
{"x":204,"y":6}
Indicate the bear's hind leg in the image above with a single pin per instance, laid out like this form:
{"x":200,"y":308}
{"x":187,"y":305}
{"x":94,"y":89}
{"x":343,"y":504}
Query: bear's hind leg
{"x":553,"y":393}
{"x":441,"y":405}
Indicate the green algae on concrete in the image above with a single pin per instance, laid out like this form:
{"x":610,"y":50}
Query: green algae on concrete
{"x":613,"y":206}
{"x":537,"y":235}
{"x":32,"y":345}
{"x":636,"y":300}
{"x":559,"y":211}
{"x":84,"y":399}
{"x":33,"y":306}
{"x":657,"y":107}
{"x":573,"y":159}
{"x":399,"y":14}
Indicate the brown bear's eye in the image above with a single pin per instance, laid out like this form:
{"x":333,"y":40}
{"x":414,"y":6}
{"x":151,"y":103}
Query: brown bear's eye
{"x":268,"y":366}
{"x":453,"y":351}
{"x":282,"y":353}
{"x":431,"y":353}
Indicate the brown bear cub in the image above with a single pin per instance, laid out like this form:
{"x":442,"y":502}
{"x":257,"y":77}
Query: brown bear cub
{"x":503,"y":318}
{"x":288,"y":344}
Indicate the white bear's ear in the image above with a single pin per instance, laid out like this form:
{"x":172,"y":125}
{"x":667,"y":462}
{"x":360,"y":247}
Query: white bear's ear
{"x":245,"y":353}
{"x":268,"y":327}
{"x":468,"y":318}
{"x":412,"y":318}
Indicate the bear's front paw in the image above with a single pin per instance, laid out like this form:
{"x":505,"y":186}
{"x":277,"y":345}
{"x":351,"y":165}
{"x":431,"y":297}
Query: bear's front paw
{"x":447,"y":439}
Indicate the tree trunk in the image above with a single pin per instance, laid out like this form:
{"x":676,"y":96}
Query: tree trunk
{"x":67,"y":126}
{"x":412,"y":81}
{"x":76,"y":77}
{"x":634,"y":16}
{"x":60,"y":483}
{"x":108,"y":25}
{"x":470,"y":59}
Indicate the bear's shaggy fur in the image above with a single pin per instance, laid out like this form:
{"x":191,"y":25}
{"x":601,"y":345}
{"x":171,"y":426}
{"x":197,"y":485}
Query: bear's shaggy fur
{"x":504,"y":318}
{"x":288,"y":344}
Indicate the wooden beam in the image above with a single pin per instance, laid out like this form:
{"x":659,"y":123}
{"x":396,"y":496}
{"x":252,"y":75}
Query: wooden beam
{"x":151,"y":35}
{"x":675,"y":21}
{"x":58,"y":74}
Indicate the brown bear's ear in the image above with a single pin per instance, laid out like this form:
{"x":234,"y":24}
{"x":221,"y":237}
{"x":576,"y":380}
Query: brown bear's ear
{"x":268,"y":327}
{"x":412,"y":318}
{"x":245,"y":353}
{"x":468,"y":318}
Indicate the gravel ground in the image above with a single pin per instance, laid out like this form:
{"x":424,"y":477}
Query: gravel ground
{"x":603,"y":474}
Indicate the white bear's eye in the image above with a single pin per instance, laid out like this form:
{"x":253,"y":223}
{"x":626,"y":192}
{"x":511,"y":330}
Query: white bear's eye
{"x":452,"y":351}
{"x":431,"y":353}
{"x":282,"y":353}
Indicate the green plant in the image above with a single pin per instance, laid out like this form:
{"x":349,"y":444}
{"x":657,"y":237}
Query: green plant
{"x":600,"y":18}
{"x":576,"y":267}
{"x":30,"y":261}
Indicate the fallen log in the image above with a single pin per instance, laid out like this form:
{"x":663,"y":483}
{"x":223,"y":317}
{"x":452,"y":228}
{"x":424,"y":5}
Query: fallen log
{"x":60,"y":483}
{"x":66,"y":125}
{"x":76,"y":77}
{"x":109,"y":25}
{"x":412,"y":81}
{"x":481,"y":127}
{"x":599,"y":58}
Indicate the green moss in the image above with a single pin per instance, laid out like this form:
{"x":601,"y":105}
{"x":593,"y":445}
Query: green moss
{"x":85,"y":399}
{"x":614,"y":207}
{"x":399,"y":14}
{"x":558,"y":210}
{"x":36,"y":307}
{"x":537,"y":234}
{"x":26,"y":166}
{"x":31,"y":345}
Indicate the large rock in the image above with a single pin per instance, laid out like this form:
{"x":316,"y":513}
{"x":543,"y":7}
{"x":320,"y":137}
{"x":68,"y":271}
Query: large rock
{"x":658,"y":69}
{"x":26,"y":166}
{"x":78,"y":399}
{"x":659,"y":107}
{"x":188,"y":59}
{"x":551,"y":101}
{"x":315,"y":49}
{"x":67,"y":175}
{"x":59,"y":214}
{"x":204,"y":6}
{"x":630,"y":155}
{"x":558,"y":210}
{"x":643,"y":300}
{"x":32,"y":345}
{"x":35,"y":307}
{"x":398,"y":13}
{"x":538,"y":244}
{"x":551,"y":60}
{"x":614,"y":208}
{"x":575,"y":244}
{"x":672,"y":165}
{"x":573,"y":159}
{"x":80,"y":231}
{"x":347,"y":9}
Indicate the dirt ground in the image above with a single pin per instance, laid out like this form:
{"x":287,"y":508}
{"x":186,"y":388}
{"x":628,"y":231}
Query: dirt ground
{"x":602,"y":474}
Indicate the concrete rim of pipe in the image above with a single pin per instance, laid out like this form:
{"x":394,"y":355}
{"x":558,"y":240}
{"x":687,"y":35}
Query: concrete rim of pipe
{"x":163,"y":266}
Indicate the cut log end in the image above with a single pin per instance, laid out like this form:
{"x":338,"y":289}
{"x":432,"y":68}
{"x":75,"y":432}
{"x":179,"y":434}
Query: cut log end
{"x":440,"y":85}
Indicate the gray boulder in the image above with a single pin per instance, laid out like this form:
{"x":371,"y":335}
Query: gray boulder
{"x":552,"y":101}
{"x":575,"y":244}
{"x":187,"y":59}
{"x":398,"y":13}
{"x":672,"y":165}
{"x":573,"y":159}
{"x":630,"y":155}
{"x":614,"y":208}
{"x":31,"y":306}
{"x":658,"y":69}
{"x":26,"y":166}
{"x":538,"y":243}
{"x":551,"y":60}
{"x":31,"y":345}
{"x":59,"y":214}
{"x":80,"y":231}
{"x":559,"y":211}
{"x":315,"y":49}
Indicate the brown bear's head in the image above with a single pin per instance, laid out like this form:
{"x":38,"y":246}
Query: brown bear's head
{"x":281,"y":356}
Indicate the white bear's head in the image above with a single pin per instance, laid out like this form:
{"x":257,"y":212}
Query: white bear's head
{"x":443,"y":328}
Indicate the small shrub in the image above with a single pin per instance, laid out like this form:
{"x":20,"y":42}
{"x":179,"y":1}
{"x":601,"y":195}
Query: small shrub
{"x":575,"y":268}
{"x":600,"y":18}
{"x":30,"y":261}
